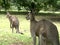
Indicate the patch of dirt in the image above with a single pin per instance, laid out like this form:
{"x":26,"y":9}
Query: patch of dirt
{"x":17,"y":43}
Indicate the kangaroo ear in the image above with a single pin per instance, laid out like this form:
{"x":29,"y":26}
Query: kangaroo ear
{"x":8,"y":13}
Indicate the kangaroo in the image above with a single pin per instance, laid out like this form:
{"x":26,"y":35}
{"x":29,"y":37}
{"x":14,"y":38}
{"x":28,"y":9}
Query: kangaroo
{"x":45,"y":30}
{"x":14,"y":22}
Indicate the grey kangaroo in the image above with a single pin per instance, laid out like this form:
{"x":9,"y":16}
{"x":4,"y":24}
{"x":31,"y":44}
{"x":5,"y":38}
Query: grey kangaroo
{"x":14,"y":22}
{"x":45,"y":30}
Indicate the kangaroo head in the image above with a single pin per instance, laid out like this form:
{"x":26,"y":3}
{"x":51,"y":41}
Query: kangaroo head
{"x":8,"y":15}
{"x":28,"y":17}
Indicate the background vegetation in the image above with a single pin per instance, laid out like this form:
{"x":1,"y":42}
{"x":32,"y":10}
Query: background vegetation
{"x":47,"y":5}
{"x":49,"y":9}
{"x":9,"y":38}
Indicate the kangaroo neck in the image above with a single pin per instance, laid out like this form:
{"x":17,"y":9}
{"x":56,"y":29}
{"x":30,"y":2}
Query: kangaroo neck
{"x":32,"y":17}
{"x":32,"y":24}
{"x":32,"y":20}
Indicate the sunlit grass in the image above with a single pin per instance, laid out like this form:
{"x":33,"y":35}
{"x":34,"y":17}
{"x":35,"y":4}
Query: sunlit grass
{"x":6,"y":35}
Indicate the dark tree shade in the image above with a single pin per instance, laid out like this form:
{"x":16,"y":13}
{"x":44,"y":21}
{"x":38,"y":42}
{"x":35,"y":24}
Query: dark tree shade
{"x":5,"y":4}
{"x":30,"y":4}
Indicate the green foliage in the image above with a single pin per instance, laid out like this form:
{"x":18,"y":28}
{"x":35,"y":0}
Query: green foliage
{"x":5,"y":4}
{"x":58,"y":5}
{"x":0,"y":2}
{"x":38,"y":4}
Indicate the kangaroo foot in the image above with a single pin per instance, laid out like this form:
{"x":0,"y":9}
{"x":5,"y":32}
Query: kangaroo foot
{"x":19,"y":32}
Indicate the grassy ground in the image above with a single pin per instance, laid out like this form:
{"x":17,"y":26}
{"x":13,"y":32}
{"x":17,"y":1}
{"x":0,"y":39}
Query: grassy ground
{"x":9,"y":38}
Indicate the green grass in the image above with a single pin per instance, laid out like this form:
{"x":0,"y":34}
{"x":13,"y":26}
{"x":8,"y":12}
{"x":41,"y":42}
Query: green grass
{"x":9,"y":38}
{"x":6,"y":35}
